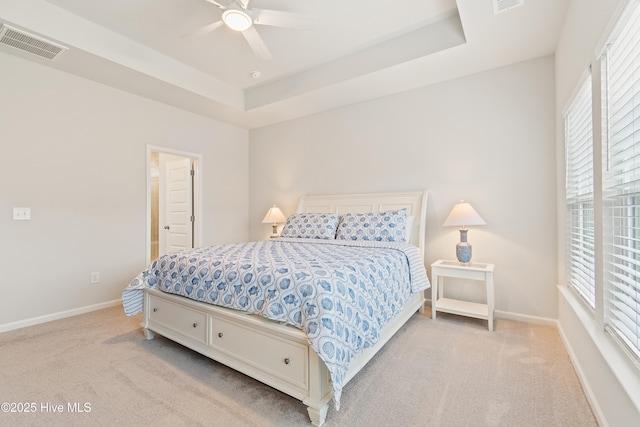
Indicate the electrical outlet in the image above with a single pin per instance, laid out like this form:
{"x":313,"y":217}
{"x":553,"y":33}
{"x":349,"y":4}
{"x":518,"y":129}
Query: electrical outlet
{"x":21,"y":214}
{"x":95,"y":277}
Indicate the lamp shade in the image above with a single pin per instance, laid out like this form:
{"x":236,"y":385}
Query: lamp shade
{"x":274,"y":216}
{"x":463,"y":215}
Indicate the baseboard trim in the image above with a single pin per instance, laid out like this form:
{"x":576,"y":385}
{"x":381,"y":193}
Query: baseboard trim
{"x":56,"y":316}
{"x":61,"y":315}
{"x":526,"y":318}
{"x":518,"y":317}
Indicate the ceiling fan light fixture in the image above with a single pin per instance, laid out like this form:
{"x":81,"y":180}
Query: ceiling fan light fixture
{"x":237,"y":20}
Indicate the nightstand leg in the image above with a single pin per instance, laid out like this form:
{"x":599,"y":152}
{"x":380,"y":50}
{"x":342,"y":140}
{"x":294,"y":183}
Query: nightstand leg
{"x":491,"y":296}
{"x":434,"y":295}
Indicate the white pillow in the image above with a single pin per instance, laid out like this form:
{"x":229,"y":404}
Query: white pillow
{"x":410,"y":220}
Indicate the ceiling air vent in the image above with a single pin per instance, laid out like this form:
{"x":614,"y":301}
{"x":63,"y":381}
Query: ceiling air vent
{"x":30,"y":43}
{"x":504,"y":5}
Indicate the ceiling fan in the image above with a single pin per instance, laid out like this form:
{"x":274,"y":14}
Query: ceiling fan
{"x":239,"y":17}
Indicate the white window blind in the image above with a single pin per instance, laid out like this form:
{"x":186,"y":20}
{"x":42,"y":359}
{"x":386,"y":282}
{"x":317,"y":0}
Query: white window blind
{"x":579,"y":193}
{"x":621,"y":183}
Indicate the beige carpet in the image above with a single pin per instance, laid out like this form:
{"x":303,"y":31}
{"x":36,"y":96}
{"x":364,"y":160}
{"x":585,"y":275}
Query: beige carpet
{"x":449,"y":372}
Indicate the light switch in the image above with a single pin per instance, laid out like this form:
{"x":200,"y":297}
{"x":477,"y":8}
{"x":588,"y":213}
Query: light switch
{"x":21,"y":214}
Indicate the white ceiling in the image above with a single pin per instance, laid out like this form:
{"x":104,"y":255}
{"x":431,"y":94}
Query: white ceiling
{"x":352,"y":51}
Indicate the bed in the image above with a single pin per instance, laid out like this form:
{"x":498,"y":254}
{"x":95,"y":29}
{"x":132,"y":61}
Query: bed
{"x":302,"y":313}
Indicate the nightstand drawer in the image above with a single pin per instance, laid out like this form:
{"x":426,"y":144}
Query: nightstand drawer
{"x":178,"y":318}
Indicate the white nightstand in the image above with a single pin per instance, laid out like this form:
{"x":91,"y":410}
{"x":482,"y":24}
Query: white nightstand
{"x":474,"y":271}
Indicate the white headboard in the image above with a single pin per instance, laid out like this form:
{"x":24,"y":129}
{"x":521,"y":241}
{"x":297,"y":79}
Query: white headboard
{"x":414,"y":201}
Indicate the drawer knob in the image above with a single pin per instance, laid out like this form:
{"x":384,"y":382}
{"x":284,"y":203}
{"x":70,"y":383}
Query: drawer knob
{"x":287,"y":361}
{"x":195,"y":325}
{"x":155,"y":309}
{"x":220,"y":334}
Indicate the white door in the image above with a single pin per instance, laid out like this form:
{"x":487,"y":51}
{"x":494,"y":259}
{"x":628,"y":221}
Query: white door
{"x":176,"y":204}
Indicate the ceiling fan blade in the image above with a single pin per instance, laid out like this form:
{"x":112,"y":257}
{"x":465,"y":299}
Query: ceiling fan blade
{"x":216,"y":4}
{"x":204,"y":30}
{"x":278,"y":18}
{"x":257,"y":44}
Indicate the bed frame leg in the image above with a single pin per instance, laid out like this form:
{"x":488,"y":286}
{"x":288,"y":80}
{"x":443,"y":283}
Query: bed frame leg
{"x":421,"y":310}
{"x":320,"y":391}
{"x":318,"y":415}
{"x":148,"y":333}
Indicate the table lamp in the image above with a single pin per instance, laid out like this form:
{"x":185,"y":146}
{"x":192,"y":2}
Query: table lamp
{"x":273,"y":217}
{"x":463,"y":215}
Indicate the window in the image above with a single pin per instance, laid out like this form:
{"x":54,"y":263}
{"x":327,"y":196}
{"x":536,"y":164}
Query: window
{"x":603,"y":226}
{"x":621,"y":182}
{"x":579,"y":193}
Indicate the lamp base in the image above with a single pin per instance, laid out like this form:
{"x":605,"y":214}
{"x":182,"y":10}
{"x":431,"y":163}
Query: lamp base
{"x":463,"y":253}
{"x":463,"y":249}
{"x":274,"y":232}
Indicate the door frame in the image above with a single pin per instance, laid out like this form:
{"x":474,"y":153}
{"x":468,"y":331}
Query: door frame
{"x":197,"y":194}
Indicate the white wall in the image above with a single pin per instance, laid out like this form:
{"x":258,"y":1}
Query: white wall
{"x":486,"y":138}
{"x":610,"y":380}
{"x":75,"y":152}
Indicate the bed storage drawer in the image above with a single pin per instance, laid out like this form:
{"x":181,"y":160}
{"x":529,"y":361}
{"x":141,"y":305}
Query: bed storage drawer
{"x":179,"y":318}
{"x":277,"y":356}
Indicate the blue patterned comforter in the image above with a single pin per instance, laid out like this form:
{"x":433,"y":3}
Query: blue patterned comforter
{"x":340,"y":293}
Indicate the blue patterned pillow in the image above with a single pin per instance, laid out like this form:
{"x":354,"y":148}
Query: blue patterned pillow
{"x":311,"y":226}
{"x":389,"y":226}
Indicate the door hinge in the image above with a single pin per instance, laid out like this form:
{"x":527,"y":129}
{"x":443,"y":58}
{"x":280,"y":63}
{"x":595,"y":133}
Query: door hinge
{"x":192,"y":172}
{"x":193,"y":218}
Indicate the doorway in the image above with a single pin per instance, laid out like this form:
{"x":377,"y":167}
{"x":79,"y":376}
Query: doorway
{"x":173,"y":194}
